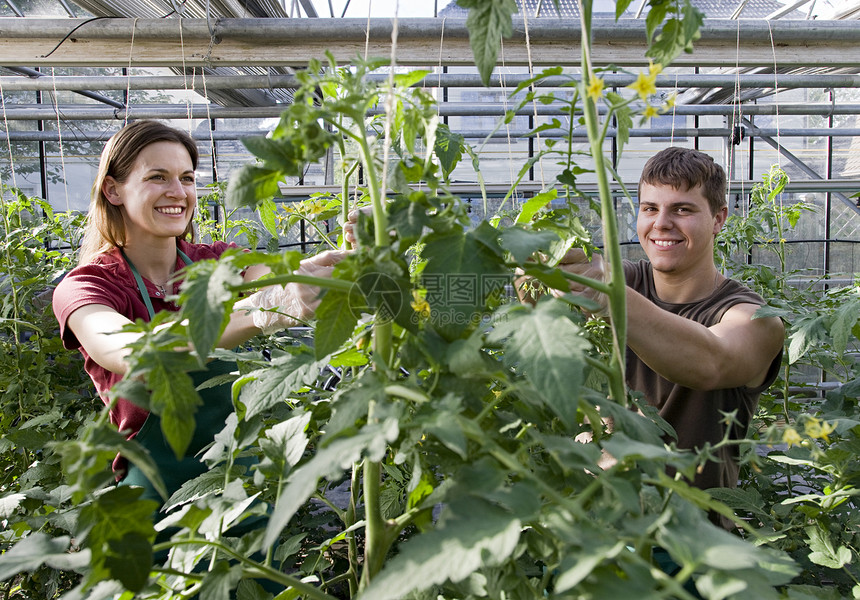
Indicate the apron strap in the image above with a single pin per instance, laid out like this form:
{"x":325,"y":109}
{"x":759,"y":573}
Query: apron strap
{"x":141,"y":287}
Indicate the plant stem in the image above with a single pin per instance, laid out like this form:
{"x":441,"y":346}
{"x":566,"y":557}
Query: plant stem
{"x":374,"y":554}
{"x":617,"y":284}
{"x":349,"y":521}
{"x":253,"y":567}
{"x":321,"y":282}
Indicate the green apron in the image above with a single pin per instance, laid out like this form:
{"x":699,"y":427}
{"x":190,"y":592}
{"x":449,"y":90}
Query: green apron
{"x":210,"y":419}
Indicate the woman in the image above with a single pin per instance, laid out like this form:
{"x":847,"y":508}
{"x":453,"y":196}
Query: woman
{"x":139,"y":224}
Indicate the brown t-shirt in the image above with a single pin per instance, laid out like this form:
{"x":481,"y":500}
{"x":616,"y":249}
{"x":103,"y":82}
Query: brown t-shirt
{"x":696,"y":415}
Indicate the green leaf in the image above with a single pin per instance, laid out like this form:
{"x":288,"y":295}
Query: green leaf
{"x":620,"y":7}
{"x":115,"y":517}
{"x":574,"y":569}
{"x":336,"y":320}
{"x":549,"y":349}
{"x":40,"y":549}
{"x":175,"y":400}
{"x":252,"y":184}
{"x":203,"y":297}
{"x":847,"y":316}
{"x":267,"y":209}
{"x":129,"y":559}
{"x":449,"y":148}
{"x":523,"y":243}
{"x":462,"y":271}
{"x":411,"y":78}
{"x":479,"y":535}
{"x":262,"y":389}
{"x":488,"y":22}
{"x":531,"y":207}
{"x":824,"y":553}
{"x":330,"y":462}
{"x":220,"y":581}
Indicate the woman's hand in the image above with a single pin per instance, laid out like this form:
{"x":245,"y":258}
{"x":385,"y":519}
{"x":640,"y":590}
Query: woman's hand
{"x":283,"y":306}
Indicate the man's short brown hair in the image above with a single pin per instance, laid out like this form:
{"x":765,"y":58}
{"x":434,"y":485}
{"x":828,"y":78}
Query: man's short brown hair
{"x":684,"y":169}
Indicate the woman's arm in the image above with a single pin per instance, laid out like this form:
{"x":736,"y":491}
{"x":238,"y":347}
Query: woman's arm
{"x":98,"y":327}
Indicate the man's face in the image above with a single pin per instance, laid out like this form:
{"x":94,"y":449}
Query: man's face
{"x":676,"y":228}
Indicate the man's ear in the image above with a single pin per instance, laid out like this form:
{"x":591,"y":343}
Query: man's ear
{"x":110,"y":190}
{"x":720,"y":219}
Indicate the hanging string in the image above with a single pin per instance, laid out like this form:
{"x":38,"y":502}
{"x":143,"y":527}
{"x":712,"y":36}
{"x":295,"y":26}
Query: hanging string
{"x":532,"y":88}
{"x":737,"y":119}
{"x":128,"y":72}
{"x":389,"y":100}
{"x":502,"y":71}
{"x":367,"y":30}
{"x":206,"y":61}
{"x":209,"y":121}
{"x":5,"y":216}
{"x":776,"y":102}
{"x":8,"y":146}
{"x":674,"y":110}
{"x":441,"y":51}
{"x":185,"y":77}
{"x":60,"y":139}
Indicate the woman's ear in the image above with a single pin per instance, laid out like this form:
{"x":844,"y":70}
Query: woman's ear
{"x":110,"y":190}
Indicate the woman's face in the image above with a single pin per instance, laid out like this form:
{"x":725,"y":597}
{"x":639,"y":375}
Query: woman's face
{"x":158,"y":198}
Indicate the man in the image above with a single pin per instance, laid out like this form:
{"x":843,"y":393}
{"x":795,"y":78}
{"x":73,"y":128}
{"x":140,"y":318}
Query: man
{"x":693,"y":347}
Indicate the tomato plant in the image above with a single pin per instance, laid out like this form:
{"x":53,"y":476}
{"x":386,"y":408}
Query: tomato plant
{"x":421,"y":445}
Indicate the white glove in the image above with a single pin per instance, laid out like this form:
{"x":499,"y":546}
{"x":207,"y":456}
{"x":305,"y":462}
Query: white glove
{"x":281,"y":306}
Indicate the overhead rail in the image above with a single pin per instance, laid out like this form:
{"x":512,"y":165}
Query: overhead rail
{"x":83,"y":112}
{"x":434,"y":80}
{"x":124,"y":42}
{"x":75,"y":135}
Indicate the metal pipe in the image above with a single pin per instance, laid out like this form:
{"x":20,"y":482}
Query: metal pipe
{"x":79,"y":112}
{"x":661,"y":132}
{"x":36,"y":75}
{"x":554,"y":30}
{"x":245,"y":82}
{"x":769,"y":139}
{"x":533,"y":187}
{"x":272,"y":41}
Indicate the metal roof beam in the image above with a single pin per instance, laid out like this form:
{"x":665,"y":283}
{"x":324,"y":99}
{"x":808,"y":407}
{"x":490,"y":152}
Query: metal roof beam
{"x":421,"y":41}
{"x":239,"y":82}
{"x":82,"y":112}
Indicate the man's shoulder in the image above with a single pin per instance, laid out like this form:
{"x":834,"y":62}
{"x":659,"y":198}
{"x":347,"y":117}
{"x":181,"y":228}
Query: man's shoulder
{"x":739,"y":293}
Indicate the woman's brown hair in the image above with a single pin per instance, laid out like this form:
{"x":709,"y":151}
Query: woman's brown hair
{"x":105,"y":227}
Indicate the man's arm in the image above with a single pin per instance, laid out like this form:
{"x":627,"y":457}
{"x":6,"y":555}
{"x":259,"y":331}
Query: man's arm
{"x":735,"y":352}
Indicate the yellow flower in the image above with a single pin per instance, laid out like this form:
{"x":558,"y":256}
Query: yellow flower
{"x":791,"y":437}
{"x":670,"y":101}
{"x":644,"y":85}
{"x":654,"y":69}
{"x":595,"y":88}
{"x":650,"y":112}
{"x":815,"y":428}
{"x":419,"y":304}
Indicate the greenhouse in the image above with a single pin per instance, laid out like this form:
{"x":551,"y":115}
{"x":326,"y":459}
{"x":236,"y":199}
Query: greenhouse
{"x":461,"y":299}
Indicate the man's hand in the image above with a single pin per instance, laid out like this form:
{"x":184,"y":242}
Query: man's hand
{"x":575,"y":261}
{"x":352,"y":221}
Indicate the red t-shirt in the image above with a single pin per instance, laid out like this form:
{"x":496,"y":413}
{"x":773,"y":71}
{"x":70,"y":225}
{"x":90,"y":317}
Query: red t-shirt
{"x":109,"y":281}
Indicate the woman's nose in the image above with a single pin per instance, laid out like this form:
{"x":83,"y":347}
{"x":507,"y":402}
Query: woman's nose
{"x":176,"y":189}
